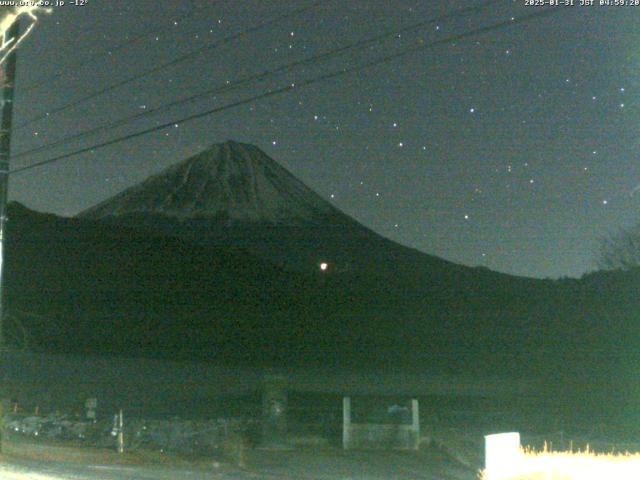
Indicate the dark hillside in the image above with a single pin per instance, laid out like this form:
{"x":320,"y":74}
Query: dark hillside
{"x":84,"y":286}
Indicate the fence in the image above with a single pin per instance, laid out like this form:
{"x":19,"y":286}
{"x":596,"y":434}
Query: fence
{"x":452,"y":423}
{"x":397,"y":427}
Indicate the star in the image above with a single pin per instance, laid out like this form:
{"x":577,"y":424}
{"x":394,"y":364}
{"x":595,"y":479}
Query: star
{"x":591,"y":101}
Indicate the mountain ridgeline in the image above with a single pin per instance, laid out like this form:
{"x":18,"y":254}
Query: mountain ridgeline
{"x":233,"y":194}
{"x":217,"y":258}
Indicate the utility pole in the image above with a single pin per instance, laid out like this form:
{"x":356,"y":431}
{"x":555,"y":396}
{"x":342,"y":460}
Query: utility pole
{"x":7,"y":84}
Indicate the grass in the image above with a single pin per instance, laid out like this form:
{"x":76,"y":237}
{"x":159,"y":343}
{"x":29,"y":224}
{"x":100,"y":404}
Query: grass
{"x":581,"y":465}
{"x":16,"y":447}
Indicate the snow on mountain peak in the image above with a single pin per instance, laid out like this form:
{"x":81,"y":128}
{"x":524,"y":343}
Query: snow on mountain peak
{"x":232,"y":181}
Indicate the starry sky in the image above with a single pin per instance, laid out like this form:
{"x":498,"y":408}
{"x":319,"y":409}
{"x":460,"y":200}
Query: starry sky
{"x":515,"y":150}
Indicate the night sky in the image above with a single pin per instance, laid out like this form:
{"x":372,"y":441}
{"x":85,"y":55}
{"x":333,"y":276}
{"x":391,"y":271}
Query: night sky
{"x":516,"y":150}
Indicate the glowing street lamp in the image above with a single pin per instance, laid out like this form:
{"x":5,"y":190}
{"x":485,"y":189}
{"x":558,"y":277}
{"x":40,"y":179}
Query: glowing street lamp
{"x":324,"y":266}
{"x":9,"y":17}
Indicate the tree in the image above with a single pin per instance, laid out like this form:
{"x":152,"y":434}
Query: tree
{"x":621,"y":251}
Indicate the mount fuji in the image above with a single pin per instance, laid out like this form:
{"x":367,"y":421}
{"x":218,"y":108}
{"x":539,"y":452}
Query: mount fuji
{"x":233,"y":194}
{"x":217,"y":258}
{"x":228,"y":184}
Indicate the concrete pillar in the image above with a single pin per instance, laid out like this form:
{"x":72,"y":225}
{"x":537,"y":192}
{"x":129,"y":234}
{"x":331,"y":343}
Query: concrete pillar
{"x":274,"y":412}
{"x":502,"y":455}
{"x":4,"y":403}
{"x":346,"y":423}
{"x":415,"y":422}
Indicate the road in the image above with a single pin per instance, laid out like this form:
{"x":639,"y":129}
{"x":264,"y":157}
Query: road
{"x":31,"y":470}
{"x":269,"y":466}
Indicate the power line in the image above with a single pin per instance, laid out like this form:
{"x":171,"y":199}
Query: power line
{"x":305,"y":83}
{"x":260,"y":76}
{"x":182,"y":58}
{"x":48,"y":79}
